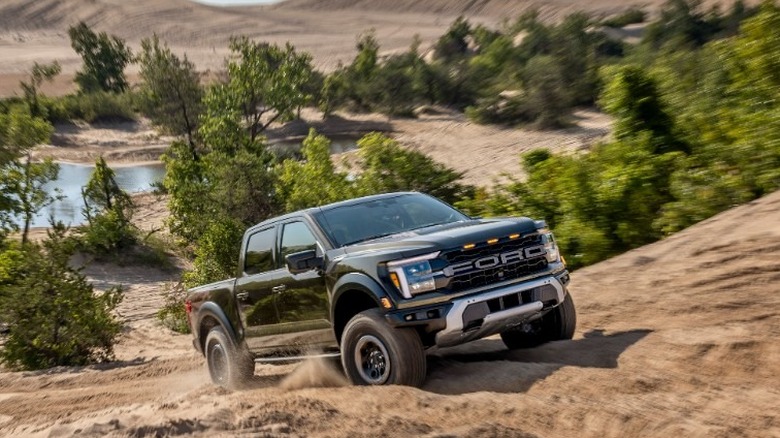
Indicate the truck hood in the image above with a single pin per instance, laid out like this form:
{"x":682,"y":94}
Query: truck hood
{"x":440,"y":237}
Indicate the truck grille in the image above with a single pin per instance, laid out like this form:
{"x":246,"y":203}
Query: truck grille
{"x":462,"y":255}
{"x":484,"y":277}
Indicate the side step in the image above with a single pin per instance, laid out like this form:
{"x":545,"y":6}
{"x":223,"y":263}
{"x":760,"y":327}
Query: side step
{"x":286,"y":359}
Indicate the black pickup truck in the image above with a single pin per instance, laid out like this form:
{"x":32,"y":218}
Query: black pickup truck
{"x":378,"y":280}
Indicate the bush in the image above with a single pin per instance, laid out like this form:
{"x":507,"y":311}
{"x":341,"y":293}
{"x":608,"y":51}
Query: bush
{"x":108,"y":210}
{"x":173,"y":314}
{"x":93,"y":107}
{"x":53,"y":315}
{"x":106,"y":234}
{"x":631,"y":16}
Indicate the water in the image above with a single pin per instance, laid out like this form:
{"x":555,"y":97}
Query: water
{"x":72,"y":177}
{"x":337,"y":146}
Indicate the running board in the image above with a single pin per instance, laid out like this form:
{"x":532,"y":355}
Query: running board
{"x":295,"y":358}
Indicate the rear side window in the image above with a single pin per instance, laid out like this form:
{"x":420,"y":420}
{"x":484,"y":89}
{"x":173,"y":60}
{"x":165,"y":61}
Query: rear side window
{"x":297,"y":237}
{"x":259,"y":252}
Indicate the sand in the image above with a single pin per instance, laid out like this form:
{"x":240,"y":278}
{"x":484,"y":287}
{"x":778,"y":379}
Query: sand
{"x":678,"y":338}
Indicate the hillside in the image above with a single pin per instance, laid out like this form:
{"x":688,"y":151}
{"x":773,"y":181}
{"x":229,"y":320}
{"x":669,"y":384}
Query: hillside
{"x":549,"y":9}
{"x":678,"y":338}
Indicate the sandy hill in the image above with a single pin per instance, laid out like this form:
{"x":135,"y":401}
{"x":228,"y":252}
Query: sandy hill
{"x":678,"y":338}
{"x":36,"y":31}
{"x":495,"y":8}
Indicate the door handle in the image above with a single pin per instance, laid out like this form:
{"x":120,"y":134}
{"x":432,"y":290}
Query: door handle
{"x":242,"y":295}
{"x":278,"y":289}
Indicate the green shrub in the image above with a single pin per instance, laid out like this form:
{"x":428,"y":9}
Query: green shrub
{"x":53,"y":315}
{"x":631,"y":16}
{"x":173,"y":314}
{"x":97,"y":106}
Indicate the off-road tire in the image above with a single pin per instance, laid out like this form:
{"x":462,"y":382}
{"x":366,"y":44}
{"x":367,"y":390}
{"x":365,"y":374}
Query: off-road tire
{"x":557,"y":325}
{"x":374,"y":353}
{"x":229,"y":366}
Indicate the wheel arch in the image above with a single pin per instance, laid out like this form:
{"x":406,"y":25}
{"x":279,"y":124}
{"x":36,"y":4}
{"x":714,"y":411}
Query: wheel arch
{"x":211,"y":315}
{"x":354,"y":293}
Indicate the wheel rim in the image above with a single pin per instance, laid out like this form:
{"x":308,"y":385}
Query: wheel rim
{"x":372,"y":360}
{"x":218,"y":363}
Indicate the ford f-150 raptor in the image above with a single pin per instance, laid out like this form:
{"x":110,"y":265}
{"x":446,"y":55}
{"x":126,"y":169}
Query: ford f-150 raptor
{"x":378,"y":280}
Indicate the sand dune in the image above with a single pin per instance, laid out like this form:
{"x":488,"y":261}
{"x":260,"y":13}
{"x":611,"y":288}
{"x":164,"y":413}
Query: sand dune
{"x":678,"y":338}
{"x":36,"y":31}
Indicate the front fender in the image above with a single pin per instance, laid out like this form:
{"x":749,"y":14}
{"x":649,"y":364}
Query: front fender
{"x":357,"y":281}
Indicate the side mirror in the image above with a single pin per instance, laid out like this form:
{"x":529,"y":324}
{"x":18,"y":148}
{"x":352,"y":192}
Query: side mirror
{"x":303,"y":261}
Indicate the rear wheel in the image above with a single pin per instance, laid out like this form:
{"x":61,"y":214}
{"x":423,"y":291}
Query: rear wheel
{"x":558,"y":324}
{"x":374,"y":353}
{"x":228,"y":366}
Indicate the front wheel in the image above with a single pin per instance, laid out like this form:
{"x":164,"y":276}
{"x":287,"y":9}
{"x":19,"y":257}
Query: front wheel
{"x":374,"y":353}
{"x":228,"y":366}
{"x":557,"y":325}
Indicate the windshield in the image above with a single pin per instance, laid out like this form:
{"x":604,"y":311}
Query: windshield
{"x":377,"y":218}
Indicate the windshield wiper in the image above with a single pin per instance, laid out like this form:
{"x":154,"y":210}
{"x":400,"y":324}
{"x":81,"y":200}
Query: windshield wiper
{"x":376,"y":236}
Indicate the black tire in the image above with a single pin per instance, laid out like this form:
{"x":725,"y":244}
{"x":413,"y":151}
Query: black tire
{"x":557,"y":325}
{"x":374,"y":353}
{"x":229,"y":367}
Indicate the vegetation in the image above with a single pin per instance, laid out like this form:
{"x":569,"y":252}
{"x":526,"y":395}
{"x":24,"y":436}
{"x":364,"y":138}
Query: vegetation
{"x":108,"y":210}
{"x":696,"y":132}
{"x":105,"y":58}
{"x":631,"y":16}
{"x":171,"y":94}
{"x":173,"y":314}
{"x":53,"y":315}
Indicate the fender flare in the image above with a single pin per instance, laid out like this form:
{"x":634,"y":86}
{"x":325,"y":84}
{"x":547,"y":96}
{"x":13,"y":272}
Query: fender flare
{"x":213,"y":310}
{"x":357,"y":281}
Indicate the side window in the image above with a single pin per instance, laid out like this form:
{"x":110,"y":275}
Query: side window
{"x":259,"y":255}
{"x":296,"y":237}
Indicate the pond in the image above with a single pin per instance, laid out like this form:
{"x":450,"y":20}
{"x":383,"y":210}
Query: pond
{"x":72,"y":177}
{"x":337,"y":146}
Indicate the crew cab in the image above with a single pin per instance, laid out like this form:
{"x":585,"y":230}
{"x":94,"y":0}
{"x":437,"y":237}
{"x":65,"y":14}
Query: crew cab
{"x":378,"y":280}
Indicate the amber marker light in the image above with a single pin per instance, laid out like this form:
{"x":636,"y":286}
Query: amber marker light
{"x":394,"y":279}
{"x":492,"y":241}
{"x":469,"y":246}
{"x":514,"y":236}
{"x":386,"y":303}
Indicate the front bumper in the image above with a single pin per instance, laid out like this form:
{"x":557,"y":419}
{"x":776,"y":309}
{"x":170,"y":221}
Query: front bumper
{"x":499,"y":310}
{"x":486,"y":313}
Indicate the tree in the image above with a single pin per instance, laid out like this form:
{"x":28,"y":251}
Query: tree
{"x":453,"y":44}
{"x":314,"y":181}
{"x":31,"y":88}
{"x":170,"y":94}
{"x":266,"y":83}
{"x":20,"y":184}
{"x":387,"y":167}
{"x":108,"y":210}
{"x":26,"y":180}
{"x":354,"y":84}
{"x":53,"y":315}
{"x":216,"y":252}
{"x":547,"y":100}
{"x":105,"y":58}
{"x":395,"y":84}
{"x":188,"y":190}
{"x":632,"y":97}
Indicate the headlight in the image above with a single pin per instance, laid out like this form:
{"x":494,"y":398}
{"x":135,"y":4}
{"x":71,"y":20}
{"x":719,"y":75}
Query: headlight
{"x":553,"y":254}
{"x":413,"y":276}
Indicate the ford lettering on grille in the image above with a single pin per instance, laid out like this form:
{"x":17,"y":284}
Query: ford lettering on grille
{"x":506,"y":258}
